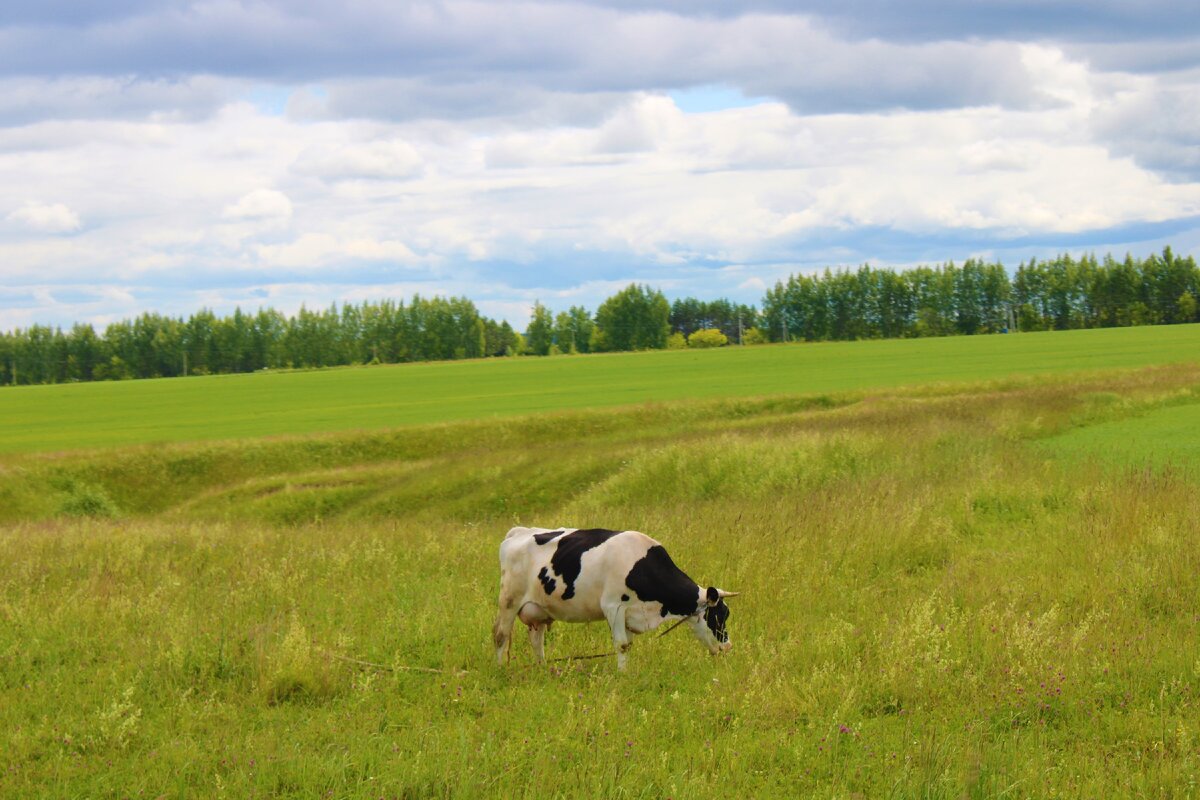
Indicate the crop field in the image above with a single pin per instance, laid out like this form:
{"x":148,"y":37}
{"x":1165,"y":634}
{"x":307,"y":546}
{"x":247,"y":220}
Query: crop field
{"x":85,"y":415}
{"x":965,"y":572}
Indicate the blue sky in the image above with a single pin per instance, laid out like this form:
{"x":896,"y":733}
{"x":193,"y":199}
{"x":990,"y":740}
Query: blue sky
{"x":169,"y":154}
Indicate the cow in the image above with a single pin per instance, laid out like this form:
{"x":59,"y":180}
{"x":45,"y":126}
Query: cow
{"x":623,"y":577}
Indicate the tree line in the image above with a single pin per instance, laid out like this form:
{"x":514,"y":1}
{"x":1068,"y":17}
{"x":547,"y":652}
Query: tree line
{"x":980,"y":297}
{"x":836,"y":304}
{"x":153,"y":345}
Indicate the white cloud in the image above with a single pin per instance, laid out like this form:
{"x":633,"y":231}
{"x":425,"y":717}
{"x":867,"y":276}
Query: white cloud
{"x":394,"y":159}
{"x":640,"y":126}
{"x":522,"y":151}
{"x":261,"y":204}
{"x":52,"y":218}
{"x":24,"y":100}
{"x":1155,"y":122}
{"x":987,"y":155}
{"x":320,"y":249}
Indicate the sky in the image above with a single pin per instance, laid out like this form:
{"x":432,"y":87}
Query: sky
{"x":171,"y":155}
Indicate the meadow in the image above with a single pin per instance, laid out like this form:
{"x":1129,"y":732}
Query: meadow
{"x":105,"y":414}
{"x":974,"y":581}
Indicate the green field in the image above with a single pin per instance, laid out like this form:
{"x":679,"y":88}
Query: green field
{"x":970,"y":569}
{"x":68,"y":417}
{"x":1164,"y":437}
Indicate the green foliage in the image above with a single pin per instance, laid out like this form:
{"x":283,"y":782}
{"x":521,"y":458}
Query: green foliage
{"x":540,"y":335}
{"x":689,"y":315}
{"x":85,"y":500}
{"x":156,"y":346}
{"x":635,"y":318}
{"x":676,"y":341}
{"x":573,"y":330}
{"x":518,"y":346}
{"x":297,"y":673}
{"x":978,"y":297}
{"x":1187,"y":307}
{"x":707,"y":337}
{"x":499,"y":339}
{"x":754,"y":336}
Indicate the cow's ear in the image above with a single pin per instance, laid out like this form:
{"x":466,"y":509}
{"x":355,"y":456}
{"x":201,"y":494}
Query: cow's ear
{"x":713,"y":595}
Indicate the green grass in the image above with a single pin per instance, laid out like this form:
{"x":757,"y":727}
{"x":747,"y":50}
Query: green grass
{"x":1162,"y":437}
{"x":946,"y":594}
{"x":69,"y":417}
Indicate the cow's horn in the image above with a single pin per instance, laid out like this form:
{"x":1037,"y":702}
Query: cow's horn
{"x":724,"y":593}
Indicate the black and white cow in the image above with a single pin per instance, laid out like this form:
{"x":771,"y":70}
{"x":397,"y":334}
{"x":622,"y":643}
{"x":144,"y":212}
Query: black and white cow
{"x":623,"y":577}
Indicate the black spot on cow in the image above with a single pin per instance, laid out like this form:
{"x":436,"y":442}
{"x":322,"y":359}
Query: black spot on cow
{"x":624,"y":598}
{"x":568,"y":556}
{"x":542,"y":538}
{"x":548,"y":583}
{"x":655,"y":578}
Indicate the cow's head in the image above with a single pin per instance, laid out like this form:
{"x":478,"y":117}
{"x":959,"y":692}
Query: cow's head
{"x":711,"y":618}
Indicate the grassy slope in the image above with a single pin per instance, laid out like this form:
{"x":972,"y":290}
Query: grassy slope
{"x":932,"y":608}
{"x":54,"y":418}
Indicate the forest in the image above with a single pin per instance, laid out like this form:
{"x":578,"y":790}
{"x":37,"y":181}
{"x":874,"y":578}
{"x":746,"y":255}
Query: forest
{"x":975,"y":297}
{"x":980,"y":297}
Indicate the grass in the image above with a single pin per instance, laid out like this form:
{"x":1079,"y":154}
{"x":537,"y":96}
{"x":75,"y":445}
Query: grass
{"x":75,"y":416}
{"x":1163,"y":437}
{"x":946,"y":594}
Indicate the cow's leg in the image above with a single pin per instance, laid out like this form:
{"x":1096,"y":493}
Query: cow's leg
{"x":615,"y":615}
{"x":505,"y":617}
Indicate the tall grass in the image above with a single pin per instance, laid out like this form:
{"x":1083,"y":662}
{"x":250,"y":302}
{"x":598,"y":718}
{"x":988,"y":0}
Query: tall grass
{"x":938,"y":602}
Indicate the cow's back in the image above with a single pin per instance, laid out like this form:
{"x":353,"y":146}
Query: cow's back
{"x":569,"y":572}
{"x":611,"y":551}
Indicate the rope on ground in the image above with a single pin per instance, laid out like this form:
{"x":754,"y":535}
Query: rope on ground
{"x":435,"y":671}
{"x":581,"y":658}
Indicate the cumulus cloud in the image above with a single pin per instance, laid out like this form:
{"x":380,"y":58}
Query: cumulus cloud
{"x":52,"y":218}
{"x":639,"y":126}
{"x":462,"y":97}
{"x":28,"y":99}
{"x":940,"y":20}
{"x":474,"y":58}
{"x":921,"y":19}
{"x":395,"y":159}
{"x":227,"y":152}
{"x":471,"y":59}
{"x":1157,"y":125}
{"x":320,"y":249}
{"x":261,"y":204}
{"x":986,"y":155}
